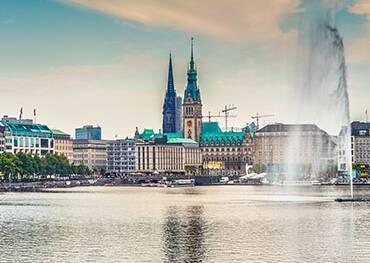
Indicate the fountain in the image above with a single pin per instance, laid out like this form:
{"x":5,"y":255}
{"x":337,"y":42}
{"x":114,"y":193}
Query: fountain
{"x":323,"y":96}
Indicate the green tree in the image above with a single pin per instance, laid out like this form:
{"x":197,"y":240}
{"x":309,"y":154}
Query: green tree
{"x":259,"y":168}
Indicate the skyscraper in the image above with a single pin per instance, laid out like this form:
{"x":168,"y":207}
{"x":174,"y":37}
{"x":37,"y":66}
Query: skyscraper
{"x":192,"y":105}
{"x":169,"y":105}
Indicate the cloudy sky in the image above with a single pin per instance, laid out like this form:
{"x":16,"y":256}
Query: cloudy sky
{"x":105,"y":61}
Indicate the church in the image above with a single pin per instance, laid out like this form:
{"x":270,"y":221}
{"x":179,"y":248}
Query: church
{"x":223,"y":152}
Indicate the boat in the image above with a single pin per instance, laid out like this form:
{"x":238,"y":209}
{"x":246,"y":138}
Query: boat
{"x":181,"y":183}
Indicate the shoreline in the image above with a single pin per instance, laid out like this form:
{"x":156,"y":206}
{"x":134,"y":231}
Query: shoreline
{"x":43,"y":185}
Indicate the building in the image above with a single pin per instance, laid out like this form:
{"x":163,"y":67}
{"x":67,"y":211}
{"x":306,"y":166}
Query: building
{"x":2,"y":139}
{"x":304,"y":146}
{"x":225,"y":153}
{"x":360,"y":145}
{"x":192,"y":104}
{"x":25,"y":136}
{"x":178,"y":114}
{"x":88,"y":132}
{"x":170,"y":114}
{"x":92,"y":153}
{"x":168,"y":156}
{"x":63,"y":144}
{"x":121,"y":156}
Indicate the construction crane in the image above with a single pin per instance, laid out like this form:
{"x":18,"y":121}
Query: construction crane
{"x":226,"y":111}
{"x":257,"y":117}
{"x":209,"y":116}
{"x":226,"y":115}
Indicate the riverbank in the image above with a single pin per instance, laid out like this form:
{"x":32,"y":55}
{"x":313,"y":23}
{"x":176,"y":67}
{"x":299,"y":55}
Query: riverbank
{"x":43,"y":185}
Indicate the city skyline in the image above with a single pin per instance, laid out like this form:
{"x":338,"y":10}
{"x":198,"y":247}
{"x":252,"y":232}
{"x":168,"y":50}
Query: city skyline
{"x":96,"y":65}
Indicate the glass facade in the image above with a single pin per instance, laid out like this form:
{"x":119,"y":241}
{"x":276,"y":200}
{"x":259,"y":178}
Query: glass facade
{"x":88,"y":133}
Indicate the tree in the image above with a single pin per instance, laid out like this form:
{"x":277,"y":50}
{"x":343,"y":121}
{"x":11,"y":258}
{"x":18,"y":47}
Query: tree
{"x":259,"y":168}
{"x":28,"y":165}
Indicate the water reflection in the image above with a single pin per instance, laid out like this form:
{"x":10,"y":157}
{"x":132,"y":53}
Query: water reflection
{"x":184,"y":234}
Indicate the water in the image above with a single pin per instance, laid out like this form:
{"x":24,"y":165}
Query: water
{"x":201,"y":224}
{"x":322,"y":84}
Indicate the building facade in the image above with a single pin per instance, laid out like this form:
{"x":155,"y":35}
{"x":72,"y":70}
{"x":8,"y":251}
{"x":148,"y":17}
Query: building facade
{"x":27,"y":137}
{"x":225,"y":153}
{"x":171,"y":156}
{"x":302,"y":145}
{"x":121,"y":156}
{"x":178,"y":114}
{"x":2,"y":139}
{"x":63,"y":144}
{"x":88,"y":132}
{"x":192,"y":104}
{"x":92,"y":153}
{"x":360,"y":145}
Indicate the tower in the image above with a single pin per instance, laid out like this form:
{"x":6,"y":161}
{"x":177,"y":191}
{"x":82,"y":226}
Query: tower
{"x":192,"y":105}
{"x":169,"y":105}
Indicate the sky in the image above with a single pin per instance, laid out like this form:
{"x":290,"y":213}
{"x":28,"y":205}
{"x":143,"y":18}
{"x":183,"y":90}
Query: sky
{"x":104,"y":62}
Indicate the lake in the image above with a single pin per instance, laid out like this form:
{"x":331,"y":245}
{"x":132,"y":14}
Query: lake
{"x":199,"y":224}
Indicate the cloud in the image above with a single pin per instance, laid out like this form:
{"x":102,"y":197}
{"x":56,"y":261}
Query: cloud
{"x":361,"y":7}
{"x":234,"y":20}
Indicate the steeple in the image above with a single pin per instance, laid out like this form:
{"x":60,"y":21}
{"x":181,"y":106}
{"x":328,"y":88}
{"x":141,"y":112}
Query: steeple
{"x":192,"y":55}
{"x":192,"y":90}
{"x":170,"y":83}
{"x":169,"y":105}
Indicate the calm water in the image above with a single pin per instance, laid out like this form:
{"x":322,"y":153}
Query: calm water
{"x":201,"y":224}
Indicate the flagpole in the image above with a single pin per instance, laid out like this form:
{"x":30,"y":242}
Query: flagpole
{"x":366,"y":115}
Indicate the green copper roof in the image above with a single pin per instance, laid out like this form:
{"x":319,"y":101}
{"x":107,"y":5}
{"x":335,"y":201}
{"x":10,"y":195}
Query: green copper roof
{"x":180,"y":140}
{"x":26,"y":128}
{"x":211,"y":127}
{"x":212,"y":134}
{"x":192,"y":87}
{"x":59,"y":132}
{"x":149,"y":134}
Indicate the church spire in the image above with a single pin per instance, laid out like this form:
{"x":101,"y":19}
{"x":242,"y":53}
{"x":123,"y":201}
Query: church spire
{"x":169,"y":105}
{"x":170,"y":83}
{"x":192,"y":55}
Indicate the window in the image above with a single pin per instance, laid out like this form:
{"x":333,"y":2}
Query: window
{"x":44,"y":143}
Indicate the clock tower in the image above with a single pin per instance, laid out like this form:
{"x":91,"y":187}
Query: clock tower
{"x":192,"y":104}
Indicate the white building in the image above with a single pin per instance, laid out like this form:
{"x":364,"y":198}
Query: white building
{"x":121,"y":156}
{"x":360,"y":145}
{"x":175,"y":155}
{"x":25,"y":136}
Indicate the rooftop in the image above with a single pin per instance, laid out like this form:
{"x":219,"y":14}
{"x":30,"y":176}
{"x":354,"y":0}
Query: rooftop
{"x":26,"y":127}
{"x":180,"y":141}
{"x":59,"y":132}
{"x":212,"y":133}
{"x":281,"y":127}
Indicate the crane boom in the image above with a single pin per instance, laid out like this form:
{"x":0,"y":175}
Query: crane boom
{"x":257,"y":117}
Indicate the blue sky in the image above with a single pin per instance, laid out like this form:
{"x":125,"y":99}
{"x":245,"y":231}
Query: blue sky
{"x":105,"y":62}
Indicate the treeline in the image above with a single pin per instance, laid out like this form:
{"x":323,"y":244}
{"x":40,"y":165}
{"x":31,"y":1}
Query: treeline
{"x":23,"y":167}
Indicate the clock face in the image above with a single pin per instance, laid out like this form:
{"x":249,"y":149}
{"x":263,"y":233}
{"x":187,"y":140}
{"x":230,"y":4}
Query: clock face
{"x":189,"y":123}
